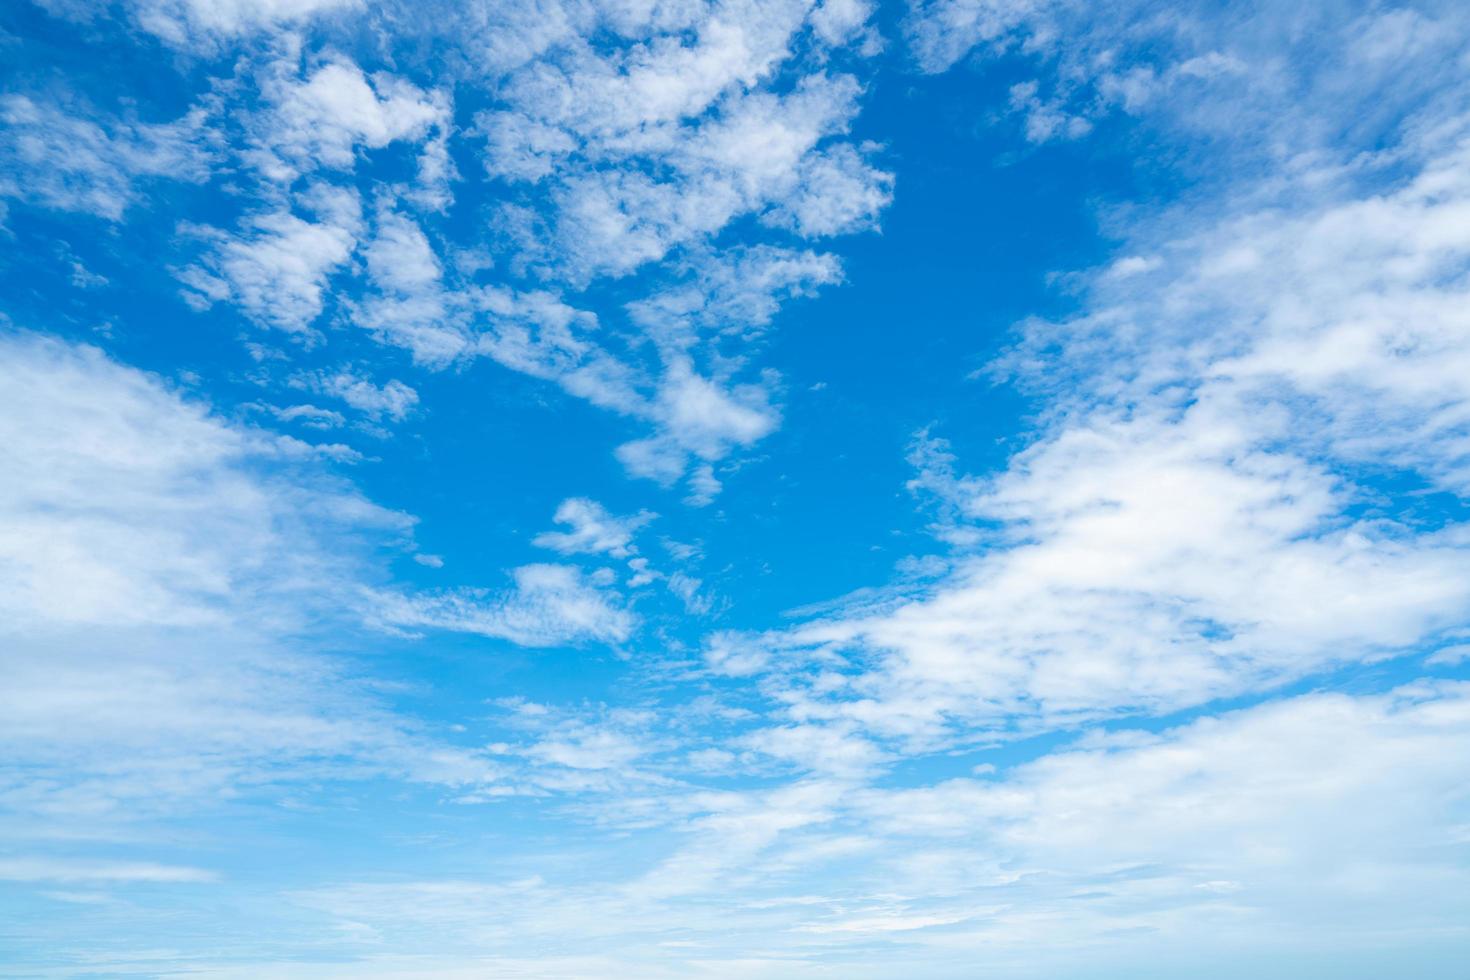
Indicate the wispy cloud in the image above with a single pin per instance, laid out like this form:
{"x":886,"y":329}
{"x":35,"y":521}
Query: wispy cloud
{"x":550,"y":605}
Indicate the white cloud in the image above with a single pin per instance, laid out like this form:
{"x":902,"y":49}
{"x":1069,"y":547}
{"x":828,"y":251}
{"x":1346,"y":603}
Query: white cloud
{"x":664,"y":75}
{"x":400,"y":258}
{"x":140,"y":530}
{"x":1047,"y":119}
{"x":693,"y":416}
{"x":322,"y":120}
{"x":412,"y":308}
{"x":838,"y":192}
{"x":941,"y":32}
{"x":759,"y":152}
{"x":593,"y":751}
{"x":593,"y":530}
{"x":61,"y":160}
{"x":393,"y":400}
{"x":128,"y":506}
{"x":1278,"y":83}
{"x":698,"y":417}
{"x":732,"y":294}
{"x":638,"y":152}
{"x":550,"y":605}
{"x":704,"y":486}
{"x":518,"y":147}
{"x":839,"y":21}
{"x":308,"y":415}
{"x":1191,"y":519}
{"x":830,"y":750}
{"x":277,"y":267}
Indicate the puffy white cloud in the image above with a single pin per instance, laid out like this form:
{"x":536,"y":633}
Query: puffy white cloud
{"x":638,"y":152}
{"x":277,"y":265}
{"x":611,"y":222}
{"x":698,"y":417}
{"x":518,"y":147}
{"x":412,"y":308}
{"x":321,"y":120}
{"x":758,"y":153}
{"x":674,"y":68}
{"x":705,"y":419}
{"x":838,"y":192}
{"x":1046,"y":120}
{"x":593,"y":530}
{"x":839,"y":21}
{"x":276,"y":268}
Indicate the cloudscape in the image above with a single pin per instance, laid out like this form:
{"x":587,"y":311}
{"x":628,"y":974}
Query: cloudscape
{"x":735,"y":489}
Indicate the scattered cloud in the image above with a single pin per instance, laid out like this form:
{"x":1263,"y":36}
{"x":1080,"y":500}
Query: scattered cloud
{"x":550,"y":605}
{"x":592,"y":530}
{"x":64,"y":158}
{"x":392,"y":400}
{"x":1174,"y":682}
{"x":277,"y":266}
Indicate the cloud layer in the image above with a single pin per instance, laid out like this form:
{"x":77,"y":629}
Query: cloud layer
{"x":1168,"y":678}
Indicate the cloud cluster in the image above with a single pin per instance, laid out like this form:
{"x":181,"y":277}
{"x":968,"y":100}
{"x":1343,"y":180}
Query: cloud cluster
{"x":618,"y":142}
{"x":1197,"y":516}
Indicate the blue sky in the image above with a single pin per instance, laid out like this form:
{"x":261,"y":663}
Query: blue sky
{"x":752,"y":489}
